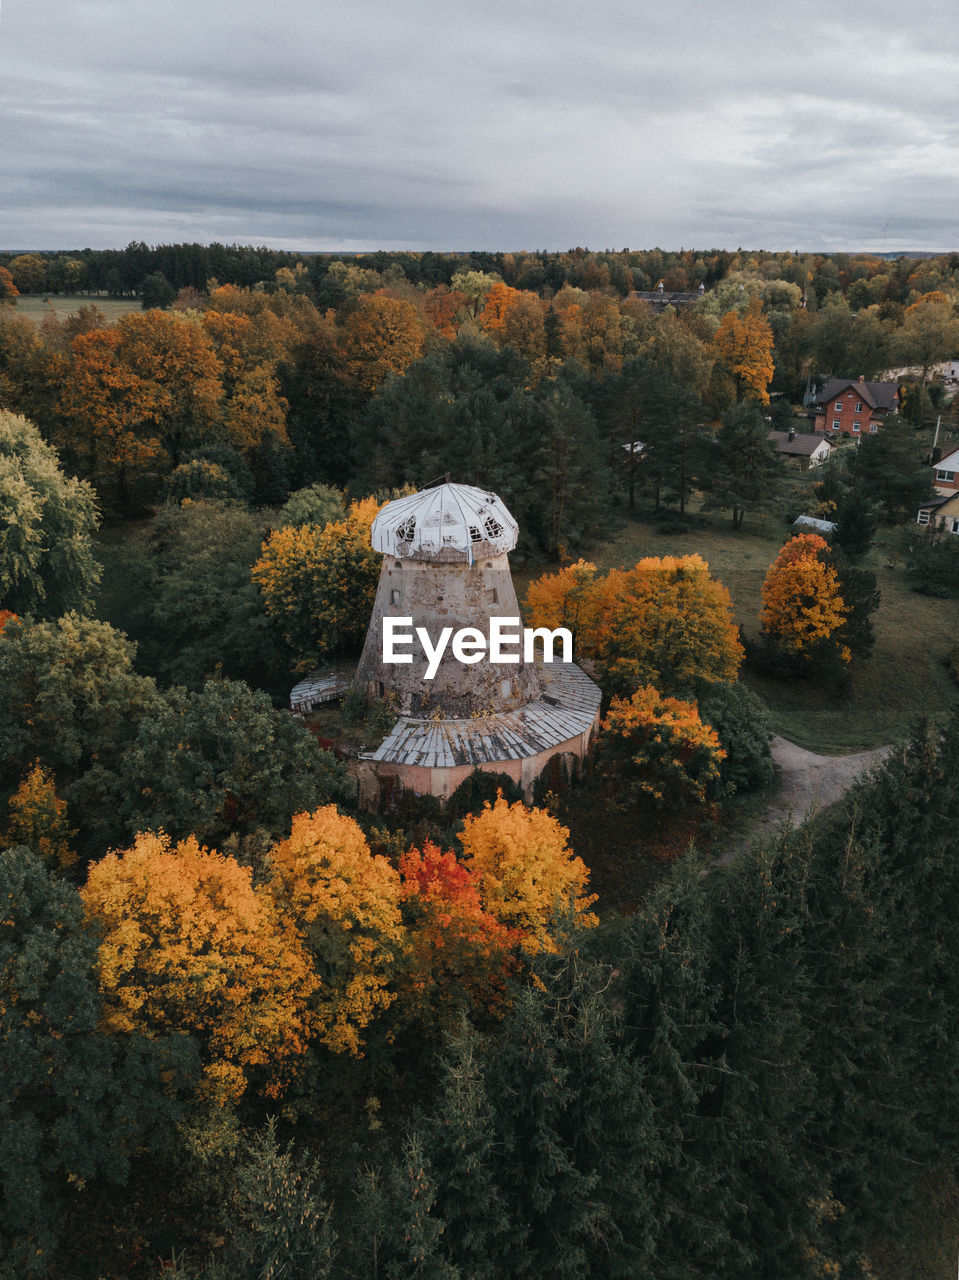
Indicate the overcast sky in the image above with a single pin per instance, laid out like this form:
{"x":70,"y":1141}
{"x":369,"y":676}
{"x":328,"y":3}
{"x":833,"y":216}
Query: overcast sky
{"x":479,"y":124}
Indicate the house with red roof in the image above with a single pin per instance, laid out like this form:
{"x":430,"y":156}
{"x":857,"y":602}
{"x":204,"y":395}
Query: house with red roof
{"x":854,"y":407}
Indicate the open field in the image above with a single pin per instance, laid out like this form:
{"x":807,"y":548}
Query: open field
{"x":902,"y":680}
{"x":36,"y":306}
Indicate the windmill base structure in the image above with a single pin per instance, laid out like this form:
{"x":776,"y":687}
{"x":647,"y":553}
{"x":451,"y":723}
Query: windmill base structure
{"x":445,"y":565}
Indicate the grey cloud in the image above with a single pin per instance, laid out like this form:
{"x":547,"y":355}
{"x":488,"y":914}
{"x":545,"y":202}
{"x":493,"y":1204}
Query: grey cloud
{"x":505,"y":125}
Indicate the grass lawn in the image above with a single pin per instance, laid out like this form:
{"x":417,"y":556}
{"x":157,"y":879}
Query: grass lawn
{"x":36,"y":306}
{"x":903,"y":679}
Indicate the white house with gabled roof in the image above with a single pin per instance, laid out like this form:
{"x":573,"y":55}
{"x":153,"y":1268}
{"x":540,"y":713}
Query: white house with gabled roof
{"x":945,"y":479}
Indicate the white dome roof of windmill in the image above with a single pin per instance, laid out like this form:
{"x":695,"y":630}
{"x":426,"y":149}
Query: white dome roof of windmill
{"x":447,"y":521}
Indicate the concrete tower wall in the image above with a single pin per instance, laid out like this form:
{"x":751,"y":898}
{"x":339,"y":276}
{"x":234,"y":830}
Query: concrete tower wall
{"x":437,"y":595}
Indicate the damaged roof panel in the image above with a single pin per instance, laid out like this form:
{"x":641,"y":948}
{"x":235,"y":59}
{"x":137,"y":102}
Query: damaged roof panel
{"x":572,"y":706}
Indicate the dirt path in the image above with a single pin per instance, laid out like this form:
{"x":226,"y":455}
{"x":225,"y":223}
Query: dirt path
{"x":807,"y":782}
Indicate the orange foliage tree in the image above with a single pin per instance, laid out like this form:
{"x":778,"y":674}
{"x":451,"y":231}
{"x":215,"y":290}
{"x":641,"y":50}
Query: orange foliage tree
{"x":381,"y":336}
{"x":568,"y":598}
{"x":660,"y":754}
{"x":345,"y":903}
{"x":445,"y":307}
{"x":498,"y":302}
{"x":665,"y":622}
{"x":140,"y":395}
{"x":528,"y":876}
{"x":802,"y":602}
{"x":459,"y":954}
{"x":38,"y":819}
{"x":189,"y":945}
{"x":318,"y":585}
{"x":103,"y":432}
{"x":8,"y":290}
{"x":745,"y":345}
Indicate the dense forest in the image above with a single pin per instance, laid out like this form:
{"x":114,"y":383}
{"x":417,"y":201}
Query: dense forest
{"x":250,"y":1030}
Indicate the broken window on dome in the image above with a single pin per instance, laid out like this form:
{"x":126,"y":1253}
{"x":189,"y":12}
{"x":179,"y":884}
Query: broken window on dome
{"x":475,"y":535}
{"x":493,"y":528}
{"x":405,"y":531}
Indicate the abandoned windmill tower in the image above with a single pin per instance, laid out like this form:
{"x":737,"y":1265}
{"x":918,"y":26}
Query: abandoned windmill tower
{"x":445,"y":565}
{"x":461,"y":705}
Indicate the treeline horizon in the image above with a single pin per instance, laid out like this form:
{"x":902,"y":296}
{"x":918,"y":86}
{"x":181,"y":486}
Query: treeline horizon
{"x":120,"y":272}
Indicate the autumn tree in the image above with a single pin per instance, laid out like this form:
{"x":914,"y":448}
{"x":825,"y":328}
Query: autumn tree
{"x":527,"y":874}
{"x":474,"y":285}
{"x":663,"y":758}
{"x":929,"y":333}
{"x":29,"y":271}
{"x":568,"y":598}
{"x":318,"y":585}
{"x":256,"y":411}
{"x":523,"y":327}
{"x":8,"y":290}
{"x":498,"y":301}
{"x":382,"y":335}
{"x":38,"y":821}
{"x":188,"y":944}
{"x":47,"y":565}
{"x":459,"y":955}
{"x":445,"y":308}
{"x":32,"y":375}
{"x":345,"y":904}
{"x":802,"y":605}
{"x":103,"y":433}
{"x":745,"y":346}
{"x":666,"y":622}
{"x":141,"y":396}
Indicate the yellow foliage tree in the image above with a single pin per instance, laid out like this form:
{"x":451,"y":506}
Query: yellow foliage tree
{"x":802,"y":603}
{"x":189,"y":945}
{"x":256,"y":410}
{"x":527,"y":874}
{"x":381,"y":336}
{"x":568,"y":598}
{"x":665,"y":622}
{"x":38,"y":819}
{"x":346,"y":905}
{"x":318,"y":585}
{"x":745,"y":345}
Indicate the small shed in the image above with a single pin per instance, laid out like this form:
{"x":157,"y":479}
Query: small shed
{"x":810,"y":524}
{"x":812,"y":450}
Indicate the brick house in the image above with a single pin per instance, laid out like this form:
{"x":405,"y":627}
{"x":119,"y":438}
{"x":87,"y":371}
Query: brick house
{"x":854,"y":406}
{"x":946,"y":474}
